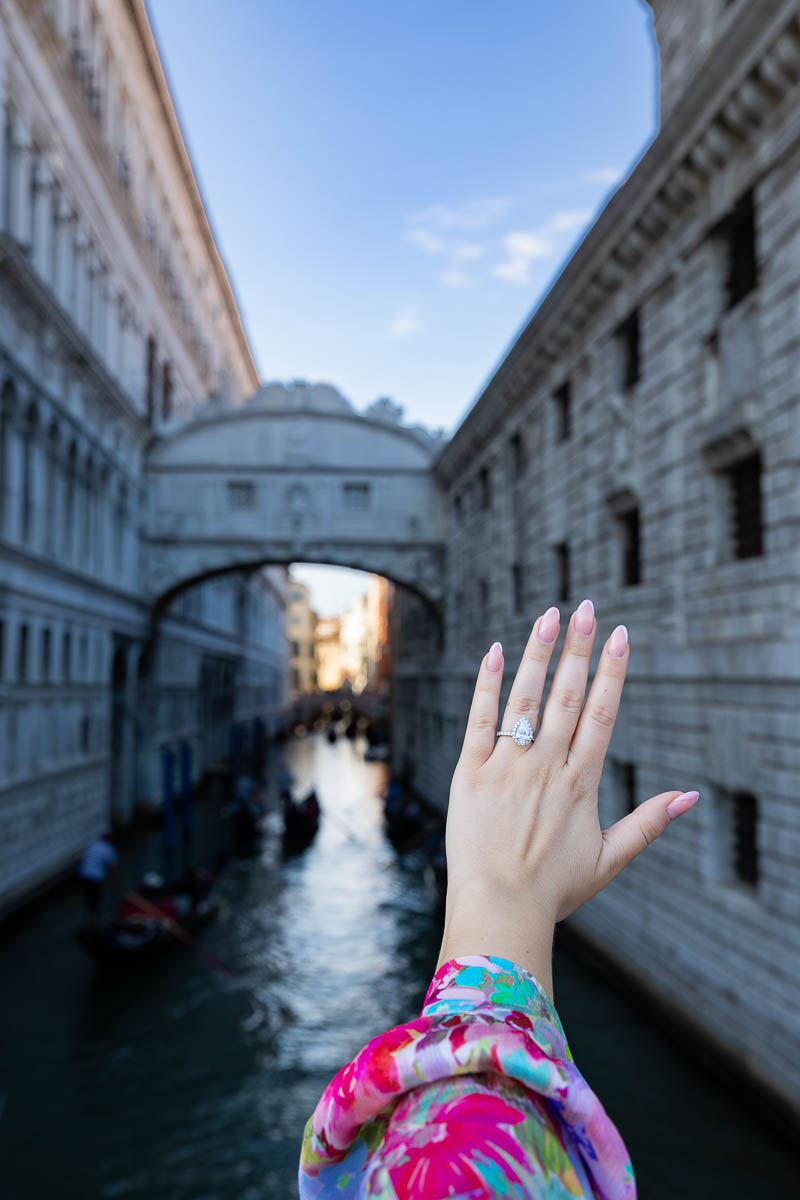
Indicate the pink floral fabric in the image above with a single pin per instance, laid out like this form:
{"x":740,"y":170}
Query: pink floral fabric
{"x":477,"y":1098}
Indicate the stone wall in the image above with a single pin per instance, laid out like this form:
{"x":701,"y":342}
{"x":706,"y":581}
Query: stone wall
{"x":659,"y":381}
{"x":116,"y":318}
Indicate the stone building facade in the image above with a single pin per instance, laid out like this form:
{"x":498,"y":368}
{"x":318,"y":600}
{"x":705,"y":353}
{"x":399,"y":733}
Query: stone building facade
{"x":640,"y":444}
{"x":301,"y":630}
{"x":116,"y":318}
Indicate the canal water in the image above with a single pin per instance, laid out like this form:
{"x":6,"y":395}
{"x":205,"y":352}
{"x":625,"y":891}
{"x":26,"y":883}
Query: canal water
{"x":185,"y":1084}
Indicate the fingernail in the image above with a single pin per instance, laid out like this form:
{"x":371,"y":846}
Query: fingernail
{"x":681,"y":804}
{"x":548,"y":626}
{"x":584,"y":617}
{"x":494,"y":659}
{"x":618,"y":641}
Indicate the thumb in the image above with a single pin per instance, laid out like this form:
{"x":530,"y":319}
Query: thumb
{"x":639,"y":829}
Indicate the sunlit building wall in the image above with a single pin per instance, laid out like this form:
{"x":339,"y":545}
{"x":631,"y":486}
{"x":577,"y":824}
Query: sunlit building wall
{"x":364,"y":637}
{"x":116,"y":318}
{"x":328,"y":648}
{"x":640,"y":444}
{"x":301,"y":626}
{"x":377,"y":651}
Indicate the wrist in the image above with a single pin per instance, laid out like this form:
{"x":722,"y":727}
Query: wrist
{"x":489,"y":919}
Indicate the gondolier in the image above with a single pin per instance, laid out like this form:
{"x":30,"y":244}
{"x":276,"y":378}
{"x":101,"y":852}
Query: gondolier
{"x":100,"y":861}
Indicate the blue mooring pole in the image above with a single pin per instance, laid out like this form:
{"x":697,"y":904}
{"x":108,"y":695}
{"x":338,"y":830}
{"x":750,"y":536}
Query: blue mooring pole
{"x":187,"y":813}
{"x":168,"y":788}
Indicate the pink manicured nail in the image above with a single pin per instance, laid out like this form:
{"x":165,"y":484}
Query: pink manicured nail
{"x":548,"y":626}
{"x":618,"y":641}
{"x":494,"y":659}
{"x":584,"y":617}
{"x":681,"y":804}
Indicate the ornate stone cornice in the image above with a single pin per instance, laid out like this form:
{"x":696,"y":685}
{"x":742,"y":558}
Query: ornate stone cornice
{"x":41,"y":25}
{"x":754,"y":66}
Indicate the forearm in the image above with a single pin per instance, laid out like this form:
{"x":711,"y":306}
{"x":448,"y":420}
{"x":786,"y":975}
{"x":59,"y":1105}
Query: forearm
{"x":480,"y":919}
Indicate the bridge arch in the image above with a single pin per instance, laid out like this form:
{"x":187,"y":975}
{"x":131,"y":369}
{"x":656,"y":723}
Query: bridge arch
{"x":294,"y":475}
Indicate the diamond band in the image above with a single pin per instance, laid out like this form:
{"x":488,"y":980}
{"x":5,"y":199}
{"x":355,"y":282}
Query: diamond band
{"x":522,"y":733}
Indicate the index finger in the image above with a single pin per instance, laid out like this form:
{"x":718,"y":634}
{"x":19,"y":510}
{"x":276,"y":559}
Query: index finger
{"x":591,"y":739}
{"x":479,"y":738}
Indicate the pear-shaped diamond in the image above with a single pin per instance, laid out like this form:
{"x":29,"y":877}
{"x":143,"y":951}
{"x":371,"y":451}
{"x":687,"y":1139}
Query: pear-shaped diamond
{"x":522,"y":732}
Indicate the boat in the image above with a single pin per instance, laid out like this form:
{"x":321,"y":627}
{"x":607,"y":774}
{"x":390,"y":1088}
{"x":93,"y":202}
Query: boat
{"x":155,"y":918}
{"x":300,"y":822}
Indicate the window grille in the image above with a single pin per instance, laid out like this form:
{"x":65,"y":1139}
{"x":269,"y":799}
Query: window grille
{"x":744,"y":478}
{"x":241,"y":494}
{"x":745,"y":841}
{"x":150,"y":396}
{"x":627,"y":778}
{"x":629,"y":341}
{"x":357,"y":495}
{"x":562,"y":570}
{"x":631,"y":548}
{"x":485,"y":487}
{"x":738,"y":232}
{"x":166,"y":392}
{"x":22,"y":654}
{"x":517,"y":447}
{"x":563,"y":400}
{"x":46,"y":655}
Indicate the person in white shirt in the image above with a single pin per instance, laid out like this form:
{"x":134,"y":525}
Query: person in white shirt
{"x":100,"y":860}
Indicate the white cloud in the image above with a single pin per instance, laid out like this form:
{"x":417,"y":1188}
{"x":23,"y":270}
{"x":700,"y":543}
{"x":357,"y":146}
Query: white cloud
{"x":406,"y":322}
{"x":468,"y":251}
{"x":606,"y":175}
{"x":472,"y":214}
{"x":524,"y":247}
{"x":453,"y":277}
{"x":566,"y":222}
{"x":426,"y":239}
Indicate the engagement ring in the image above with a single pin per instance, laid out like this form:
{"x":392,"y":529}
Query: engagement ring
{"x":522,"y":732}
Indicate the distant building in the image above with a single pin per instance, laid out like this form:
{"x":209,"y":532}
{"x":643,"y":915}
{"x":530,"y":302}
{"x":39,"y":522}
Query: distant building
{"x":301,"y":625}
{"x":378,"y":649}
{"x":330,"y":675}
{"x":117,"y":318}
{"x":364,"y":638}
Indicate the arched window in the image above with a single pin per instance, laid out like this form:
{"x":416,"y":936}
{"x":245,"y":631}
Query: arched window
{"x":7,"y":405}
{"x":51,"y":476}
{"x":120,"y":517}
{"x":166,"y":397}
{"x":29,"y":432}
{"x":87,"y":523}
{"x":150,"y":379}
{"x":70,"y":485}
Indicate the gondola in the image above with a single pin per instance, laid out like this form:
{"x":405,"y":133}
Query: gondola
{"x":246,"y":812}
{"x":403,"y":815}
{"x":154,"y":919}
{"x":300,"y":822}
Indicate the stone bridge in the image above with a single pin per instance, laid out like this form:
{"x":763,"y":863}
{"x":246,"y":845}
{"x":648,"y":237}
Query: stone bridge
{"x":294,"y":475}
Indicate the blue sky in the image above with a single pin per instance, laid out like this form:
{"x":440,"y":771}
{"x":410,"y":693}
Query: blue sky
{"x":395,"y":185}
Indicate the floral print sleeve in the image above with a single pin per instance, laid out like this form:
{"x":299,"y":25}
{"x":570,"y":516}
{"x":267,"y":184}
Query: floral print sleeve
{"x":477,"y":1098}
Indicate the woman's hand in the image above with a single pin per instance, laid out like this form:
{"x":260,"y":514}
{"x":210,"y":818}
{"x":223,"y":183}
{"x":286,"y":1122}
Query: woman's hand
{"x":524,"y":843}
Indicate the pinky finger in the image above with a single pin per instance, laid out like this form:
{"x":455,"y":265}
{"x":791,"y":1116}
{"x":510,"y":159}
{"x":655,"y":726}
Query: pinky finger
{"x":638,"y":830}
{"x":482,"y":721}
